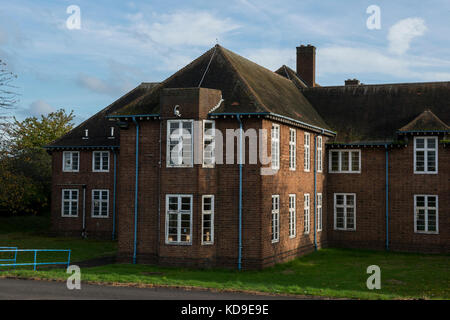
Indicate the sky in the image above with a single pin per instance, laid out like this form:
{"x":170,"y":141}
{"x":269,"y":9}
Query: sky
{"x":120,"y":44}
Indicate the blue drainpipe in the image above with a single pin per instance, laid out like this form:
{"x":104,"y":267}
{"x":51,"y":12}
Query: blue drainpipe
{"x":387,"y":197}
{"x":114,"y":196}
{"x":136,"y":191}
{"x":240,"y":193}
{"x":315,"y":191}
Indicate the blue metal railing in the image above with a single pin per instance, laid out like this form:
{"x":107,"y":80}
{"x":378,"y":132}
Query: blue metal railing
{"x":35,"y":262}
{"x":11,"y":259}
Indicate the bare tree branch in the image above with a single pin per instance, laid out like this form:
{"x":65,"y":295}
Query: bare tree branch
{"x":8,"y":97}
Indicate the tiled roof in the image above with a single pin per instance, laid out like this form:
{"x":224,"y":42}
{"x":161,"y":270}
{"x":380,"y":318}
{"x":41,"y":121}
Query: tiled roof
{"x":246,"y":87}
{"x":99,"y":127}
{"x":426,"y":121}
{"x":375,"y":112}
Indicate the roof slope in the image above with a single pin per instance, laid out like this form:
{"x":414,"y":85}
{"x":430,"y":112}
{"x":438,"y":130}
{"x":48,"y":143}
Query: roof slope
{"x":375,"y":112}
{"x":426,"y":121}
{"x":245,"y":85}
{"x":290,"y":74}
{"x":98,"y":125}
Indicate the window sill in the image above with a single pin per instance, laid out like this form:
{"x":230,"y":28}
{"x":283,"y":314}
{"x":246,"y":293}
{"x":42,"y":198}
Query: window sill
{"x":427,"y":232}
{"x":179,"y":243}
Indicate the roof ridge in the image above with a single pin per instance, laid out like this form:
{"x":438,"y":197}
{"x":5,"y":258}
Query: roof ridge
{"x":247,"y":85}
{"x":161,"y":84}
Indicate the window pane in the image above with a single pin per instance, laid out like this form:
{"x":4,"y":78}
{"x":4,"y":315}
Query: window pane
{"x":355,"y":161}
{"x":74,"y":161}
{"x":335,"y":161}
{"x":420,"y":201}
{"x":420,"y":143}
{"x":186,"y":203}
{"x":344,"y":161}
{"x":431,"y":160}
{"x":350,"y":200}
{"x":173,"y":203}
{"x":431,"y":143}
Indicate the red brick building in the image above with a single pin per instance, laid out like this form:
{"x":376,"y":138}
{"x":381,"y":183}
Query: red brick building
{"x":226,"y":163}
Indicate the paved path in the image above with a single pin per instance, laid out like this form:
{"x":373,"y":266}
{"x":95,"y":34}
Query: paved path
{"x":11,"y":289}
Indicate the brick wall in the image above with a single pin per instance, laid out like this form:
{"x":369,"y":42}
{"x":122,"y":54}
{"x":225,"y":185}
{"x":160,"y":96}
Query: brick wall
{"x":73,"y":226}
{"x":370,"y":189}
{"x":287,"y":182}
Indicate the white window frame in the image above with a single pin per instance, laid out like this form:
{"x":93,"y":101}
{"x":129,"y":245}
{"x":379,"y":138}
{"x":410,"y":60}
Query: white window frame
{"x":292,"y":149}
{"x":71,"y":161}
{"x":425,"y":150}
{"x":208,"y":212}
{"x":70,"y":200}
{"x":275,"y":146}
{"x":345,"y":206}
{"x":426,"y":208}
{"x":319,"y":211}
{"x":180,"y":136}
{"x":307,"y":152}
{"x":209,"y":137}
{"x":319,"y":154}
{"x":101,"y":203}
{"x":306,"y":213}
{"x":101,"y":161}
{"x":179,"y":213}
{"x":275,"y":225}
{"x":292,"y":216}
{"x":350,"y":161}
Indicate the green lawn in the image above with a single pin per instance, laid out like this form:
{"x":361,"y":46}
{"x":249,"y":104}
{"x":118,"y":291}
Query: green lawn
{"x":32,"y":233}
{"x":329,"y":272}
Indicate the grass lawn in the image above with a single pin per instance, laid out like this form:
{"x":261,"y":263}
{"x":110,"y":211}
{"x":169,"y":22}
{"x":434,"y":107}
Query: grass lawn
{"x":339,"y":273}
{"x":31,"y":233}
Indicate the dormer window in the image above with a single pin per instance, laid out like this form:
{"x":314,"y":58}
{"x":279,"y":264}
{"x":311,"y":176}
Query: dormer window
{"x":86,"y":134}
{"x":111,"y":134}
{"x":425,"y":155}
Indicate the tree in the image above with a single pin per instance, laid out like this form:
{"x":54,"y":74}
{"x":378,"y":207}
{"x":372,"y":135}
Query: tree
{"x":25,"y":167}
{"x":8,"y":98}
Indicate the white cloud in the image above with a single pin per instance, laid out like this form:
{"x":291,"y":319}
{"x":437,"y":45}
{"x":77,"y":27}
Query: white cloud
{"x":97,"y":85}
{"x":403,"y":32}
{"x":184,"y":28}
{"x":270,"y":58}
{"x":351,"y":61}
{"x":38,"y":108}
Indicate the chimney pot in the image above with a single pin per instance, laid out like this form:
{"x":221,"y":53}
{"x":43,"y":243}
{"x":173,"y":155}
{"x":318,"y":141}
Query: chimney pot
{"x":352,"y":82}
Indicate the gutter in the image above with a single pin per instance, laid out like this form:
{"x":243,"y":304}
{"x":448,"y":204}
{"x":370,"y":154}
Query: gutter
{"x":240,"y":193}
{"x":315,"y":191}
{"x":387,"y":197}
{"x":133,"y":116}
{"x":114,"y":196}
{"x":304,"y":124}
{"x":83,"y":232}
{"x":136,"y":191}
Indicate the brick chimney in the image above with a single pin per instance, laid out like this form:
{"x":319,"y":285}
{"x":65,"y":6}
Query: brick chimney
{"x":306,"y":64}
{"x":352,"y":82}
